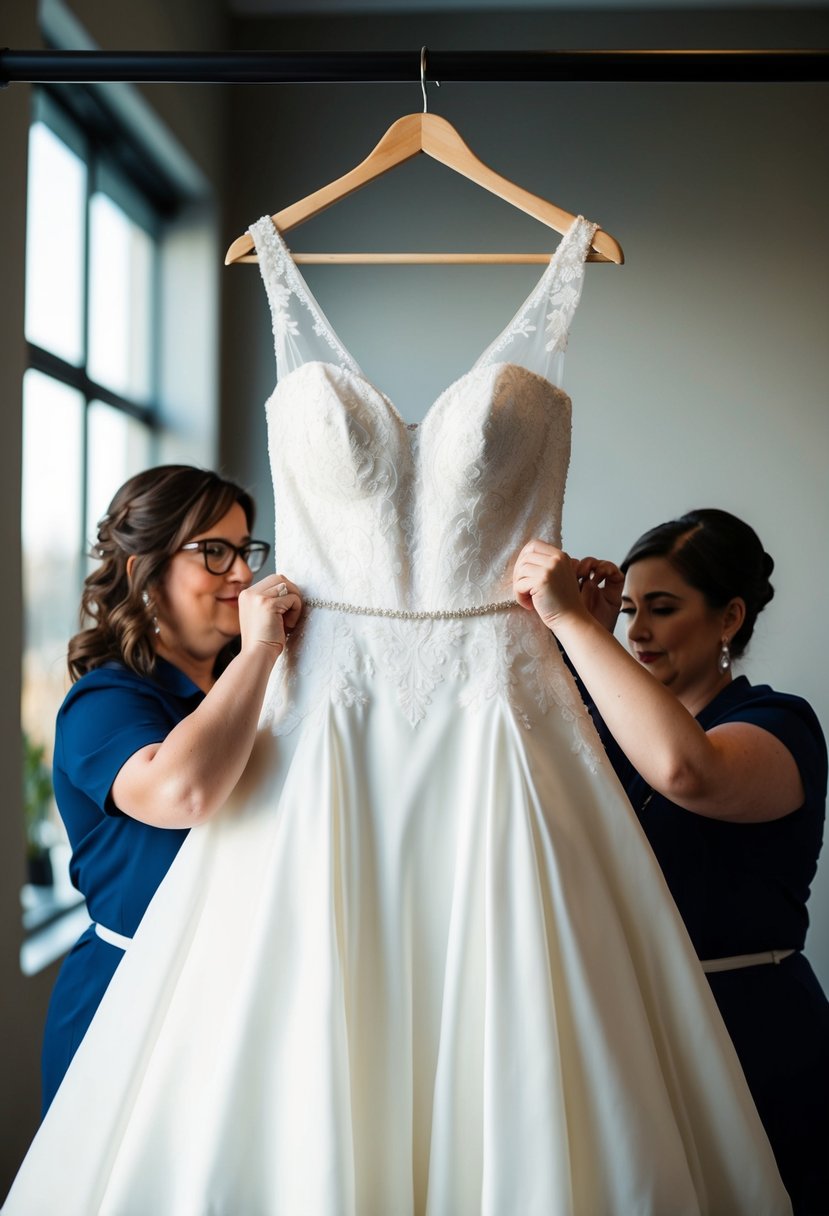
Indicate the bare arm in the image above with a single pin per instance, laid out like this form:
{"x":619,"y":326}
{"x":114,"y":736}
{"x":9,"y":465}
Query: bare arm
{"x":185,"y":779}
{"x":736,"y":771}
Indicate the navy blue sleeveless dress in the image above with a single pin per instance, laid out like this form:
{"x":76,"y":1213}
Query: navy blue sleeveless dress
{"x":742,"y":888}
{"x":117,"y":862}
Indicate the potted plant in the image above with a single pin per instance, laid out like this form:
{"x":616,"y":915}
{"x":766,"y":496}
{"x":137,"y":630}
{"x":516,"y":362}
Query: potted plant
{"x":37,"y":808}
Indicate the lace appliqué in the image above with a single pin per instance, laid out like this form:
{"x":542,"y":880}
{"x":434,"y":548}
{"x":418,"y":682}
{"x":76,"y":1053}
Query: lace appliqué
{"x":284,"y":284}
{"x":320,"y":662}
{"x":417,"y":656}
{"x":505,"y":657}
{"x":559,"y":288}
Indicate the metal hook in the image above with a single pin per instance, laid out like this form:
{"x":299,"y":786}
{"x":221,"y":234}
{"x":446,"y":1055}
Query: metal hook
{"x":423,"y":79}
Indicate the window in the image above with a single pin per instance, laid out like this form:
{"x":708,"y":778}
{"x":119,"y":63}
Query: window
{"x":89,"y":420}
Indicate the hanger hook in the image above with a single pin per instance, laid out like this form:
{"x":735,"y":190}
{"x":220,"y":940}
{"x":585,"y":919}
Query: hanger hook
{"x":423,"y":79}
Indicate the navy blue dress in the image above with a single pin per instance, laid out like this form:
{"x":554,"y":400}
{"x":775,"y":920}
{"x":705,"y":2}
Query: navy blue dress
{"x":117,"y":862}
{"x":741,"y":888}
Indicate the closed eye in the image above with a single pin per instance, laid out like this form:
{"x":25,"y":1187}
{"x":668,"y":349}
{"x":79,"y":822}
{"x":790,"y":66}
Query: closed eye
{"x":657,"y":610}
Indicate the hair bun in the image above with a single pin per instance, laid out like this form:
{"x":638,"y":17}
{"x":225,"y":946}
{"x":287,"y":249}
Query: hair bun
{"x":766,"y":590}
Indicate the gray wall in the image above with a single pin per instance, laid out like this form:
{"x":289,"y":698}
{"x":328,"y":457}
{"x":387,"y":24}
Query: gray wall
{"x":698,"y":371}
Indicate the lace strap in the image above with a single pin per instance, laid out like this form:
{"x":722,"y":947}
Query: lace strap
{"x":301,"y":331}
{"x":536,"y":337}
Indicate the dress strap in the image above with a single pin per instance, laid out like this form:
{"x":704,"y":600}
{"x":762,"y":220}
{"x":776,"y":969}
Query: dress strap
{"x":301,"y":331}
{"x":536,"y":337}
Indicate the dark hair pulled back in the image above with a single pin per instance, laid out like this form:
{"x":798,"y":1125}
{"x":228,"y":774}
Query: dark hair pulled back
{"x":719,"y":555}
{"x":150,"y":518}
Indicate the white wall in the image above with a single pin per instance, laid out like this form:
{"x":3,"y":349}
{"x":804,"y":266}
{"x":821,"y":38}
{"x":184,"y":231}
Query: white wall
{"x":698,"y":371}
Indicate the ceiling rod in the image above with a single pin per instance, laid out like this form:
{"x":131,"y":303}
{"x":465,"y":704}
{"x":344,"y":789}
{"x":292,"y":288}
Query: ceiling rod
{"x":340,"y":67}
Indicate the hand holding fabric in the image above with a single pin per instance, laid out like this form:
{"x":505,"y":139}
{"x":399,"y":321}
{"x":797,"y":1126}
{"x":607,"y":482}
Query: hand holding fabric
{"x":268,"y":611}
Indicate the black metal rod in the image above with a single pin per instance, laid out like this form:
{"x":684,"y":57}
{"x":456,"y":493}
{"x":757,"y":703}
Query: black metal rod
{"x":329,"y":67}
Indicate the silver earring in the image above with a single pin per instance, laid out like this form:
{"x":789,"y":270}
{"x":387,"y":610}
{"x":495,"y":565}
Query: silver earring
{"x":724,"y":660}
{"x":145,"y":599}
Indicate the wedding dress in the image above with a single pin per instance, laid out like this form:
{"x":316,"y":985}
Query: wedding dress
{"x":424,"y":961}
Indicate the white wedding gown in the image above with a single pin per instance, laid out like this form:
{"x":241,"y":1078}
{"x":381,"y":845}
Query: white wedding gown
{"x":424,"y":961}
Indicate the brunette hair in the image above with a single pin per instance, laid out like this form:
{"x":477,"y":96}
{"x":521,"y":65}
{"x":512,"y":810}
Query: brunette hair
{"x":150,"y":518}
{"x":719,"y":555}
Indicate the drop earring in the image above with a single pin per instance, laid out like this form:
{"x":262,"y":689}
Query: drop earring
{"x":724,"y":660}
{"x":145,"y":599}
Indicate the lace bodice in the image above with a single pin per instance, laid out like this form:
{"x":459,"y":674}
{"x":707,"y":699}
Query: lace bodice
{"x":375,"y":512}
{"x":425,"y":520}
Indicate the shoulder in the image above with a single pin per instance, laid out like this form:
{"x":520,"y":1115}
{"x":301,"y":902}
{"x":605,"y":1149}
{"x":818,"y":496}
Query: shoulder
{"x":788,"y":717}
{"x":743,"y":701}
{"x":113,"y":678}
{"x":111,"y":699}
{"x":108,"y":715}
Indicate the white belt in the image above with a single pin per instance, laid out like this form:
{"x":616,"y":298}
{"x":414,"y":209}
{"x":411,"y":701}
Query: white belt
{"x":744,"y":960}
{"x":114,"y":939}
{"x":732,"y":963}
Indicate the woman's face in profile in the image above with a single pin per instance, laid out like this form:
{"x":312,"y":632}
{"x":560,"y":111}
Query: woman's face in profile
{"x":671,"y":629}
{"x":198,"y":611}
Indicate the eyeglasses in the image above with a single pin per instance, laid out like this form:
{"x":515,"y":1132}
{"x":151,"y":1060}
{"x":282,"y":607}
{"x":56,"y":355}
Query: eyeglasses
{"x":219,"y":555}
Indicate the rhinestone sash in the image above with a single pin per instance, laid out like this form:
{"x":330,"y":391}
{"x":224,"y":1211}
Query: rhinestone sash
{"x":402,"y":614}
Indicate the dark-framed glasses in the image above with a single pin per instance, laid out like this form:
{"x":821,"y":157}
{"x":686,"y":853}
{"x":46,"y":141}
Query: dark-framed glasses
{"x":219,"y":555}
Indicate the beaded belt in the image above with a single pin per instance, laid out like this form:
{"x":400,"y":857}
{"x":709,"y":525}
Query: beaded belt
{"x":403,"y":614}
{"x":735,"y":961}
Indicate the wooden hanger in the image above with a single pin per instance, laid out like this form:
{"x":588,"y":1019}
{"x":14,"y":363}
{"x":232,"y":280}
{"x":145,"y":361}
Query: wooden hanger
{"x":406,"y":138}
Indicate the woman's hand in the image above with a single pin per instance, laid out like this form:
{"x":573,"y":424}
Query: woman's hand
{"x":601,"y":586}
{"x":268,"y":611}
{"x":556,"y":585}
{"x":546,"y":579}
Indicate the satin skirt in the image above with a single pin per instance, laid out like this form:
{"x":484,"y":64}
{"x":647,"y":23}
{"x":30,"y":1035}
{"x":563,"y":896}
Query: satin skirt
{"x":409,"y":971}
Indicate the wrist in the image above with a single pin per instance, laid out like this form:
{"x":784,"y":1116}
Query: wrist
{"x":261,"y":653}
{"x":574,"y":628}
{"x":563,"y":619}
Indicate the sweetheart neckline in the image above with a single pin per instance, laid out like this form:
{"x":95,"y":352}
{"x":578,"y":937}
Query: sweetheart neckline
{"x":414,"y":428}
{"x":350,"y":363}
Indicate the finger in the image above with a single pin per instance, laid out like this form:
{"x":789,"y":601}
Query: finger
{"x":292,"y":587}
{"x":609,"y":570}
{"x":530,"y":579}
{"x":540,"y":548}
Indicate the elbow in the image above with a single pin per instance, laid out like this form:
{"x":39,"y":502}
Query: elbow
{"x":195,"y":808}
{"x":186,"y":804}
{"x":681,"y":782}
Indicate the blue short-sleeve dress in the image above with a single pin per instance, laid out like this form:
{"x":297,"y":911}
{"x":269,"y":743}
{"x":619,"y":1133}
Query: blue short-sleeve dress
{"x":742,"y":889}
{"x":117,"y":862}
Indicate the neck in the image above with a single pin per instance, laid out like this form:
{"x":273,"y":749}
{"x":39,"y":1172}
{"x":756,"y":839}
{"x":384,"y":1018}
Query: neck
{"x":696,"y":699}
{"x":197,"y":668}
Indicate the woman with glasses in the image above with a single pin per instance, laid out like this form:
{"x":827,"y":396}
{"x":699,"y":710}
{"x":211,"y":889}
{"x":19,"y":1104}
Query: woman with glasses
{"x":169,"y":677}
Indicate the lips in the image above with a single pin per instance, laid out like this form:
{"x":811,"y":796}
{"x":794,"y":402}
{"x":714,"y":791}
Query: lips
{"x":647,"y":656}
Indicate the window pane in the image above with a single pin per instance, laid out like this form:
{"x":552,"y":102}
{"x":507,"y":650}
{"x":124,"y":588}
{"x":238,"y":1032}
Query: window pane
{"x":118,"y":446}
{"x":120,"y":300}
{"x":55,"y":245}
{"x":51,"y":518}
